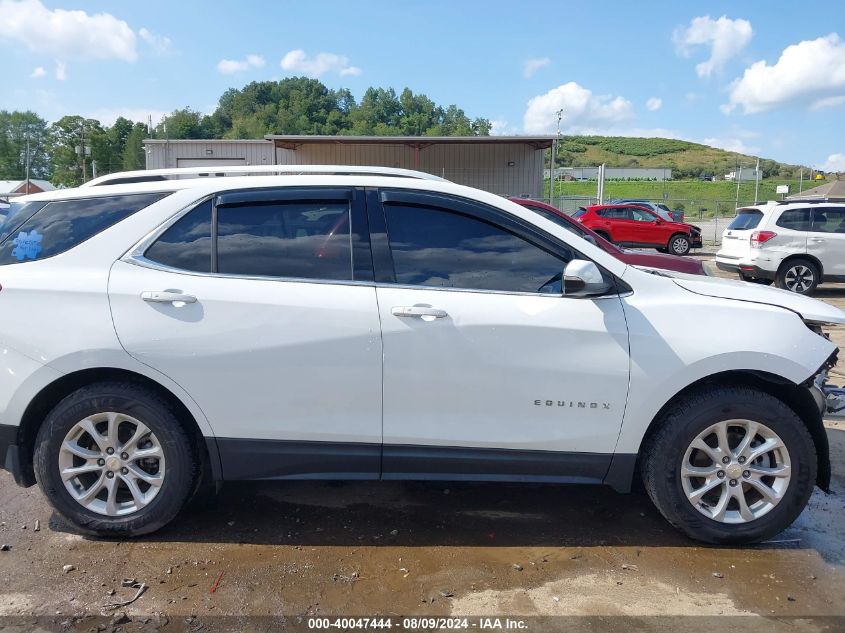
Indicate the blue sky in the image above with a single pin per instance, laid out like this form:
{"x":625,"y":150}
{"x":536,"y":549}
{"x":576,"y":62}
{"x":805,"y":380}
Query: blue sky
{"x":760,"y":77}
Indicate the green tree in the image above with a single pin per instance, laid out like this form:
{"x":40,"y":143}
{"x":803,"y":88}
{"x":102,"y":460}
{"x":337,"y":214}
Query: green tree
{"x":133,"y":150}
{"x":73,"y":143}
{"x":16,"y":128}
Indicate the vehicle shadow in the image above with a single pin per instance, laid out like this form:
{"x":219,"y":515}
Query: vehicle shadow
{"x":410,"y":514}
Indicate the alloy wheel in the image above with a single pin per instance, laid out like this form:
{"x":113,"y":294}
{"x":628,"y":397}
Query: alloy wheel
{"x":736,"y":471}
{"x":112,"y":464}
{"x":799,"y":278}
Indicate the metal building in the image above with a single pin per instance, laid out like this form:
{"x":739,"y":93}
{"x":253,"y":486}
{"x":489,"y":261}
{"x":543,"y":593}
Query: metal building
{"x":505,"y":165}
{"x":163,"y":154}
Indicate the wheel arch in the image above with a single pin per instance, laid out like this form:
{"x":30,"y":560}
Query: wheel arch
{"x":53,"y":393}
{"x":624,"y":468}
{"x":810,"y":258}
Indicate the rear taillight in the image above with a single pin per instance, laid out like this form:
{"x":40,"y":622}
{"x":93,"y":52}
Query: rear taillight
{"x":758,"y":238}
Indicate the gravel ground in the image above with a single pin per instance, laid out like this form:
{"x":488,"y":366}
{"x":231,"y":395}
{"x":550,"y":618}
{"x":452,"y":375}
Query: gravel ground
{"x":268,"y":556}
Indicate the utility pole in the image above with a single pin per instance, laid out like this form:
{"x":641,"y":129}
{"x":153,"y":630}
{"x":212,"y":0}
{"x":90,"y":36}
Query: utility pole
{"x":757,"y":181}
{"x":738,"y":175}
{"x":801,"y":181}
{"x":27,"y":159}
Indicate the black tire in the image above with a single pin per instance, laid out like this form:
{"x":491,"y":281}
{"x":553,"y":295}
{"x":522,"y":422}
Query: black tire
{"x":800,"y":276}
{"x":679,"y":244}
{"x":144,"y":405}
{"x":664,"y":450}
{"x":756,"y":280}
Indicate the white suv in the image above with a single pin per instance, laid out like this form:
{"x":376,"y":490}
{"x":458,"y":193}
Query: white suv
{"x":160,"y":335}
{"x":797,"y":245}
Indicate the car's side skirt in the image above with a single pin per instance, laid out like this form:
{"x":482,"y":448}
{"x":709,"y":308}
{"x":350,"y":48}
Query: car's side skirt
{"x":249,"y":459}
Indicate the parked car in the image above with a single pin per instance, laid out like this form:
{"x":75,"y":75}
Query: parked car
{"x":658,"y":208}
{"x":637,"y":226}
{"x":797,"y":245}
{"x":160,"y":335}
{"x":635,"y":258}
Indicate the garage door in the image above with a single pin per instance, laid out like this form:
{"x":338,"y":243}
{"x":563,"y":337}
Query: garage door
{"x":208,"y":162}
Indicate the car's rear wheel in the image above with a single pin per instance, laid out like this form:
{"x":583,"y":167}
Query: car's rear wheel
{"x":730,"y":465}
{"x":114,"y":460}
{"x":800,"y":276}
{"x":679,"y":244}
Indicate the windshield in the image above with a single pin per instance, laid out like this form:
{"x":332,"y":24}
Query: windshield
{"x":745,"y":220}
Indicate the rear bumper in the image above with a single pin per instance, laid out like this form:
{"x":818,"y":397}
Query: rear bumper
{"x":10,"y":455}
{"x":748,"y":270}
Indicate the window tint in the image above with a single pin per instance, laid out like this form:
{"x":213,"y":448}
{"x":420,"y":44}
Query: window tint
{"x":187,"y":243}
{"x":581,"y":211}
{"x":641,"y":215}
{"x":614,"y":213}
{"x":746,"y":219}
{"x":432,"y":247}
{"x":308,"y":240}
{"x":554,"y":217}
{"x":829,"y":220}
{"x":795,"y":219}
{"x":61,"y":225}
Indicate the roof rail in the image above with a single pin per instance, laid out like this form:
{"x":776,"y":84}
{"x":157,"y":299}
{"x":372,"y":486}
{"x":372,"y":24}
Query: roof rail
{"x":804,"y":201}
{"x":219,"y":171}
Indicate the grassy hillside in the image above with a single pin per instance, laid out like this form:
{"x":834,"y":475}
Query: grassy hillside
{"x":698,"y":199}
{"x":686,"y":159}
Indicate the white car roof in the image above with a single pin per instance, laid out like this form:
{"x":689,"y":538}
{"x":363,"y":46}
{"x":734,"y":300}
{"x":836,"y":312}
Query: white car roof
{"x":229,"y":171}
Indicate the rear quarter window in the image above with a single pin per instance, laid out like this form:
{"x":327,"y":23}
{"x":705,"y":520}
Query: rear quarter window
{"x":62,"y":224}
{"x":795,"y":219}
{"x":746,"y":219}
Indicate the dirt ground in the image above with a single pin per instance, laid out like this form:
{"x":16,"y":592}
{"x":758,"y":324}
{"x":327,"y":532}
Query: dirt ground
{"x":269,"y":556}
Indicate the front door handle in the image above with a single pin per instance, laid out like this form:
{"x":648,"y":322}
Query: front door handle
{"x":167,"y":296}
{"x":818,"y":240}
{"x":418,"y":311}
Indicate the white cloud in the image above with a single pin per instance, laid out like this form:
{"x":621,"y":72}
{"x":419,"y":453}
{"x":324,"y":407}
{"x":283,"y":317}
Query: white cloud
{"x":655,"y":103}
{"x":732,"y":145}
{"x":811,"y":72}
{"x":230,"y":66}
{"x":61,"y":71}
{"x":66,"y":34}
{"x":37,"y":72}
{"x":581,"y":109}
{"x":298,"y":61}
{"x":725,"y":37}
{"x":531,"y":66}
{"x":501,"y":127}
{"x":160,"y":44}
{"x":835,"y":162}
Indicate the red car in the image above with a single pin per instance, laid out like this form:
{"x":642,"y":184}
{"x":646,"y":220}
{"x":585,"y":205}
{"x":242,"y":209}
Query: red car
{"x":635,"y":225}
{"x":665,"y":262}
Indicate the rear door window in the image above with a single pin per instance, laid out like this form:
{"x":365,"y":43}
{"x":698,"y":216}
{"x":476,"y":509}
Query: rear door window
{"x":62,"y":224}
{"x":829,"y":220}
{"x":746,"y":219}
{"x":187,"y":243}
{"x":795,"y":219}
{"x":306,"y":240}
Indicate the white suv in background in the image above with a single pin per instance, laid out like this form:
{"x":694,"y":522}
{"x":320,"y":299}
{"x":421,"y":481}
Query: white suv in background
{"x":157,"y":336}
{"x":797,"y":245}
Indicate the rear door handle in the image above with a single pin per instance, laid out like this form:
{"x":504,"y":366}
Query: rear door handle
{"x":418,"y":311}
{"x":817,"y":240}
{"x":166,"y":296}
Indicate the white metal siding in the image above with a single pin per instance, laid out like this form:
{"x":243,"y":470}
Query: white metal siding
{"x":484,"y":166}
{"x":167,"y":155}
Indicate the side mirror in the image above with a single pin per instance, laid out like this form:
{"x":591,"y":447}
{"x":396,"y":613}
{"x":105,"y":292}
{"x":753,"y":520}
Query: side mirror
{"x":582,"y":278}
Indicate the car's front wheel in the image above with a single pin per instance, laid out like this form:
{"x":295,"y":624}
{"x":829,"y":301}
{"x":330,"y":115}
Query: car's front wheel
{"x":114,"y":460}
{"x":679,"y":245}
{"x":730,"y":465}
